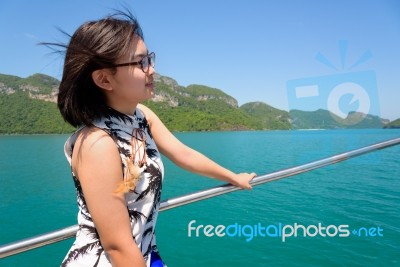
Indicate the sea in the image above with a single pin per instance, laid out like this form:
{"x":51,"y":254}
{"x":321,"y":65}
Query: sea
{"x":346,"y":214}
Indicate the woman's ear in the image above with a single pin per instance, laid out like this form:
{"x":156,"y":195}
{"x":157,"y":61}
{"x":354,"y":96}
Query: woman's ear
{"x":102,"y":79}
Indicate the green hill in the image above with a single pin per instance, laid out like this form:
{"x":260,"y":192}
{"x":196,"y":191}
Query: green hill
{"x":269,"y":117}
{"x":393,"y":125}
{"x":27,"y":105}
{"x":198,"y":108}
{"x":323,"y":119}
{"x":319,"y":119}
{"x":20,"y":114}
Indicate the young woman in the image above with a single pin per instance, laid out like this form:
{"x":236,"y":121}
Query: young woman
{"x":115,"y":153}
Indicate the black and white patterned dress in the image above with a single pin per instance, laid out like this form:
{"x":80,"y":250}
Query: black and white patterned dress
{"x":142,"y":203}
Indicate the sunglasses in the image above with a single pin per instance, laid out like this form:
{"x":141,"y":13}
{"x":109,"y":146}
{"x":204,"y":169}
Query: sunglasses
{"x":144,"y":63}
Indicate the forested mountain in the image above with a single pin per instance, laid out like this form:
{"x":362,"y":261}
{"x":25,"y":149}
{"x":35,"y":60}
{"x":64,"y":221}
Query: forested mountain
{"x":269,"y":117}
{"x":323,"y":119}
{"x":27,"y":105}
{"x":394,"y":124}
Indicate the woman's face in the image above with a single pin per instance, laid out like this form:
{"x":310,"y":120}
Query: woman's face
{"x":130,"y":85}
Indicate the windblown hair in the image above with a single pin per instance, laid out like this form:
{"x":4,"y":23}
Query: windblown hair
{"x":94,"y":45}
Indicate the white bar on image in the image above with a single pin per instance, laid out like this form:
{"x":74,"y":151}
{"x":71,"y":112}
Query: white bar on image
{"x":307,"y":91}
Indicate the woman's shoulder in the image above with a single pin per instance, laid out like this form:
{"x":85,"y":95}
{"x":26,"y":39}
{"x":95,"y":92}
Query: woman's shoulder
{"x":93,"y":143}
{"x":92,"y":138}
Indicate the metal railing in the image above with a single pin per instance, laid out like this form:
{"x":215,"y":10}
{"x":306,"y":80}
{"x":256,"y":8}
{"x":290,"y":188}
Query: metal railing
{"x":65,"y":233}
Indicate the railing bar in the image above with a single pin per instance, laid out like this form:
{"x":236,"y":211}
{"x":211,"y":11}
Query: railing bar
{"x":227,"y":188}
{"x":38,"y":241}
{"x":65,"y":233}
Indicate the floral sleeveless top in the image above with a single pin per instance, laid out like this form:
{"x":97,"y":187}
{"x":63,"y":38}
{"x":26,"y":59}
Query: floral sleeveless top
{"x":142,"y":203}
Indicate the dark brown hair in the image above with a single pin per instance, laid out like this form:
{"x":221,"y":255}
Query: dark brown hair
{"x":94,"y":45}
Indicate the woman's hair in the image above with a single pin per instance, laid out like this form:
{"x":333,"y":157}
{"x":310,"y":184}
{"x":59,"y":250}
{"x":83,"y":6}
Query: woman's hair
{"x":94,"y":45}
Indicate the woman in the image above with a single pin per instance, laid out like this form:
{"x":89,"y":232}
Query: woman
{"x":115,"y":153}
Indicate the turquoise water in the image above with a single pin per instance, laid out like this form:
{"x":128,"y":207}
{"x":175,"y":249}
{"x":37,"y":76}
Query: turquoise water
{"x":37,"y":196}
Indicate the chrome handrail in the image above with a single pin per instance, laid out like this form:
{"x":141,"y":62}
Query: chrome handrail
{"x":65,"y":233}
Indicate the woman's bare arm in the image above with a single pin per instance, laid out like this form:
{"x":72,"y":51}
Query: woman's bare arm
{"x":97,"y":164}
{"x":188,"y":158}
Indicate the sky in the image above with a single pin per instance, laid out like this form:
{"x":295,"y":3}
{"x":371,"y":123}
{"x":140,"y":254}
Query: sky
{"x":339,"y":55}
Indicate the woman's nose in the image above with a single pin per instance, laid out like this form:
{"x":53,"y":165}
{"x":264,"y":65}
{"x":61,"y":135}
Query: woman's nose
{"x":151,"y":70}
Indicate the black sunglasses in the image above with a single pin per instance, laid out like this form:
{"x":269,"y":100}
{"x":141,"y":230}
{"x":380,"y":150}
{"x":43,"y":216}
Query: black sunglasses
{"x":145,"y":62}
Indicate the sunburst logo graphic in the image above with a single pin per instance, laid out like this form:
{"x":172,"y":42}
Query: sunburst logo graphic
{"x":343,"y":45}
{"x":348,"y":96}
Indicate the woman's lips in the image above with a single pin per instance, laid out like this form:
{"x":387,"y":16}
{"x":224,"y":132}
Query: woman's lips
{"x":150,"y":87}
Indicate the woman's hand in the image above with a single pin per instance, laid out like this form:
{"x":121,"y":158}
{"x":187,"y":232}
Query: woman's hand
{"x":242,"y":180}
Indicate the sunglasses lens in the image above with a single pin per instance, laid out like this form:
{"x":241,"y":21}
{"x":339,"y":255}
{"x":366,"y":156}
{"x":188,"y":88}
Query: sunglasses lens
{"x":147,"y":61}
{"x":145,"y":64}
{"x":152,"y":58}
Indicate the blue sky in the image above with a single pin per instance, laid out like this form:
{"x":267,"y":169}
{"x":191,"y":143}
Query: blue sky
{"x":252,"y":50}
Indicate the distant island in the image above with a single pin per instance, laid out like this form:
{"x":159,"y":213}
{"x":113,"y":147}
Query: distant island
{"x":393,"y":125}
{"x":28,"y":106}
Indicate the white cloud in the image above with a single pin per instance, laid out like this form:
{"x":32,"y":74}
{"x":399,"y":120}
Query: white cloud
{"x":30,"y":36}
